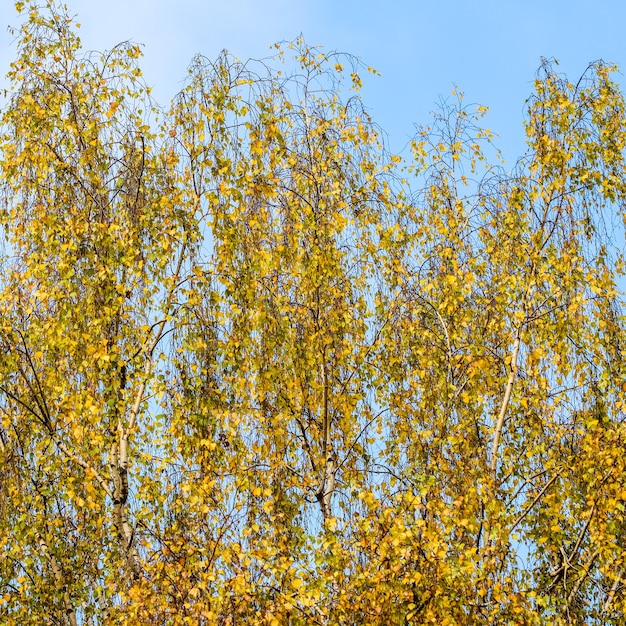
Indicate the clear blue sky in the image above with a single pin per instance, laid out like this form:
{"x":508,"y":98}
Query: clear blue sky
{"x":491,"y":49}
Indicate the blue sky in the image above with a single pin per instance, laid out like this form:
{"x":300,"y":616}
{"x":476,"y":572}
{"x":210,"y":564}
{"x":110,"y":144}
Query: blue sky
{"x":490,"y":49}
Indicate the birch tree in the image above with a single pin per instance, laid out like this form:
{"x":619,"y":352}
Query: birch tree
{"x":258,"y":370}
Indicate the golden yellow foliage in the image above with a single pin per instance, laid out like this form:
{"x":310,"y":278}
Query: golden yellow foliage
{"x":256,"y":370}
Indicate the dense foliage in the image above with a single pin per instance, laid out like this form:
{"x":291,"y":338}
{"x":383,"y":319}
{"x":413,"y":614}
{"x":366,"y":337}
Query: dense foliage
{"x":256,"y":370}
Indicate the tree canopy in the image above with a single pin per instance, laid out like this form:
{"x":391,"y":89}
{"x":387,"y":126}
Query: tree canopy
{"x":255,"y":369}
